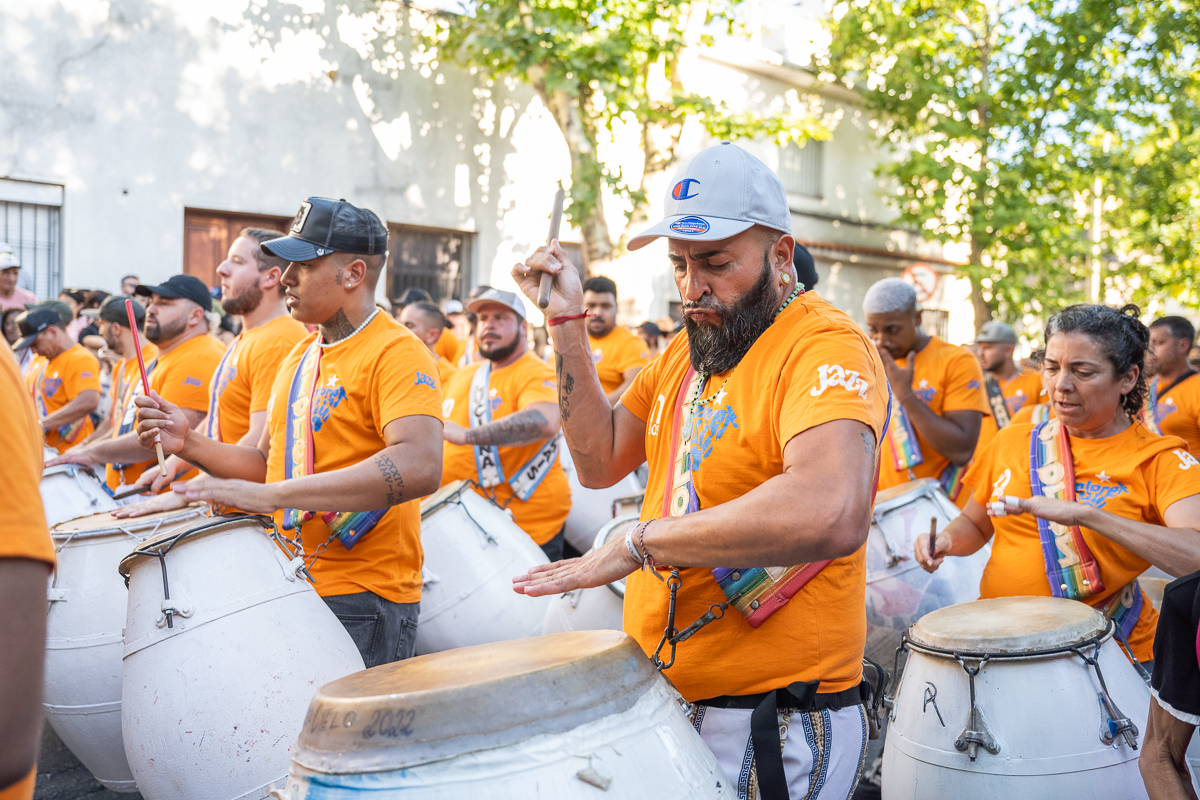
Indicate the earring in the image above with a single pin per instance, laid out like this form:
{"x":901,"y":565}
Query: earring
{"x":786,"y":279}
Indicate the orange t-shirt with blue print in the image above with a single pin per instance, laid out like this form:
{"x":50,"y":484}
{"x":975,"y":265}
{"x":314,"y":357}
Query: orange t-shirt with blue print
{"x":248,"y":375}
{"x":811,"y":366}
{"x":1022,"y":389}
{"x":1178,"y":411}
{"x":614,"y":354}
{"x":55,"y":383}
{"x":379,"y":375}
{"x":511,"y":389}
{"x":945,"y":378}
{"x":1134,"y":474}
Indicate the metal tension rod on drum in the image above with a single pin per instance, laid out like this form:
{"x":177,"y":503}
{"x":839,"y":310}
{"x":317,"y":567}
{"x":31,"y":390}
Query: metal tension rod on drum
{"x":975,"y":732}
{"x":1118,"y":723}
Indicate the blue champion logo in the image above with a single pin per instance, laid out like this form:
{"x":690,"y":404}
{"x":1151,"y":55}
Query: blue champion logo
{"x":680,"y":192}
{"x":690,"y":226}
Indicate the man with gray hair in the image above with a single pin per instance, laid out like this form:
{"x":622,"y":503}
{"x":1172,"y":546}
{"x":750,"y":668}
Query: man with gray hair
{"x":769,"y":394}
{"x":938,"y":401}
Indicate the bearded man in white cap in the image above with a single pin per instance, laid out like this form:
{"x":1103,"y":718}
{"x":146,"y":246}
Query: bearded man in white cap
{"x":771,"y":396}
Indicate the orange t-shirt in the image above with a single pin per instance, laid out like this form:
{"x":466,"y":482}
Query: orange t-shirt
{"x":247,"y":376}
{"x":812,"y":366}
{"x":1025,"y":415}
{"x":511,"y":389}
{"x":1178,"y":412}
{"x":446,"y":370}
{"x":1134,"y":474}
{"x":381,"y":374}
{"x":616,"y":353}
{"x":125,"y":375}
{"x":55,"y":383}
{"x":180,"y":377}
{"x":946,"y":378}
{"x":23,"y":531}
{"x":22,"y":789}
{"x":448,"y":346}
{"x":1022,"y":389}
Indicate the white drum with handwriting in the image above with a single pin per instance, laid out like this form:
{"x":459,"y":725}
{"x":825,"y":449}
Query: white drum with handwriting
{"x":1054,"y":708}
{"x":225,"y":643}
{"x":70,"y":491}
{"x":598,"y":608}
{"x":573,"y":716}
{"x":592,"y":508}
{"x":473,"y":550}
{"x":82,"y":697}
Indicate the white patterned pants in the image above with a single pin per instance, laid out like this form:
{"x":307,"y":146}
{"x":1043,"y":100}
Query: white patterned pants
{"x":823,"y":751}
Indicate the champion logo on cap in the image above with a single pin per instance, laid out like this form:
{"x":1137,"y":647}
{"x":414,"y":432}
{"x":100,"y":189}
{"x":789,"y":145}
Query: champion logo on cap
{"x":690,"y":226}
{"x":680,"y":192}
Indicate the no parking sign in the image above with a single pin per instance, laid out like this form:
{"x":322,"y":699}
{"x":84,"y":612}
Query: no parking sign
{"x":924,"y":280}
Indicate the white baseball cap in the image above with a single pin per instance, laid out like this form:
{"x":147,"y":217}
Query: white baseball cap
{"x":8,"y":256}
{"x":721,"y":192}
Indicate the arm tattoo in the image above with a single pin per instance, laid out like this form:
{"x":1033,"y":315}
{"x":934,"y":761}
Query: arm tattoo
{"x":524,"y":427}
{"x":391,"y":477}
{"x":336,"y":327}
{"x":868,"y":444}
{"x":566,"y":384}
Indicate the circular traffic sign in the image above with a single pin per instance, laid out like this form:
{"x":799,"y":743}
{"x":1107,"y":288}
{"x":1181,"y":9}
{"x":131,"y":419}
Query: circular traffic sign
{"x":924,"y":279}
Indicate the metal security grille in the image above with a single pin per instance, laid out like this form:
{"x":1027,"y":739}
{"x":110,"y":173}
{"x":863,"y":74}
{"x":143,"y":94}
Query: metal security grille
{"x":434,"y":259}
{"x":33,"y":231}
{"x":935,"y":322}
{"x":802,"y":169}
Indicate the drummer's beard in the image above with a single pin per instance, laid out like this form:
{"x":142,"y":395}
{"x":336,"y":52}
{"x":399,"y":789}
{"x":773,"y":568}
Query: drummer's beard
{"x":718,"y":348}
{"x":247,"y":300}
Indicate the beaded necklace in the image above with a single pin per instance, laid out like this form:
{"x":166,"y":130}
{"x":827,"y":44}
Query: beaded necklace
{"x":356,"y":331}
{"x":704,"y":376}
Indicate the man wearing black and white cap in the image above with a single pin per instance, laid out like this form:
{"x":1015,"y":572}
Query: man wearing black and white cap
{"x":760,"y":427}
{"x":353,"y":435}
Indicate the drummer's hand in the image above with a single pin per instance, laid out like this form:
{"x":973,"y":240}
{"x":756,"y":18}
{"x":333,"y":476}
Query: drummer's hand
{"x":163,"y":502}
{"x":921,"y":551}
{"x":899,"y":378}
{"x":152,"y":481}
{"x":454,"y":433}
{"x":156,"y":416}
{"x":598,"y":568}
{"x":1064,"y":512}
{"x":76,"y":455}
{"x":566,"y":292}
{"x":251,"y":497}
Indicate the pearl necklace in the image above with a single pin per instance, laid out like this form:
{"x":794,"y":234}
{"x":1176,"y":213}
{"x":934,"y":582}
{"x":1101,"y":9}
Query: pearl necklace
{"x":355,"y":332}
{"x":704,"y":376}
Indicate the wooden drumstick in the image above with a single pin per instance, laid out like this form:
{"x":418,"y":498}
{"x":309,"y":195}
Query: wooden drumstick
{"x":543,"y":298}
{"x":932,"y":538}
{"x":137,"y":347}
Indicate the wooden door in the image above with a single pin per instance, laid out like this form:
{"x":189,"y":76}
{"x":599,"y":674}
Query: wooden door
{"x":207,"y":235}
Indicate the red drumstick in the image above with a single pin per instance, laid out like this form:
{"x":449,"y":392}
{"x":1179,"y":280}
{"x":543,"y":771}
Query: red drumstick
{"x":137,"y":346}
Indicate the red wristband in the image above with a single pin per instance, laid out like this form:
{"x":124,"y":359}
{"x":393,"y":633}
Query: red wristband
{"x":550,"y":323}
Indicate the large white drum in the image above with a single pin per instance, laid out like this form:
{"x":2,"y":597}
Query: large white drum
{"x":83,"y":635}
{"x":592,"y":508}
{"x":70,"y":491}
{"x":473,"y":550}
{"x":225,"y":642}
{"x":599,"y":608}
{"x":1010,"y":697}
{"x":574,"y":715}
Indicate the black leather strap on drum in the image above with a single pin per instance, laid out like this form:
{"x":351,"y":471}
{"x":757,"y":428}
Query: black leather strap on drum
{"x":764,"y":724}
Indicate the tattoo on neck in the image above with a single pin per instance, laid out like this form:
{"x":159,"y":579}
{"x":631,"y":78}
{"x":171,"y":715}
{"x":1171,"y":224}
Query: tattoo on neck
{"x":337,"y":327}
{"x":392,"y":479}
{"x":566,"y":384}
{"x":524,"y":427}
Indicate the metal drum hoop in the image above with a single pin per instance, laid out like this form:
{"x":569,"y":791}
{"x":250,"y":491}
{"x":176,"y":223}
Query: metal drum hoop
{"x":616,"y":587}
{"x":455,"y":498}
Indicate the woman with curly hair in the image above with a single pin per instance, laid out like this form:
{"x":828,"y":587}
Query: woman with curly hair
{"x":1079,"y":505}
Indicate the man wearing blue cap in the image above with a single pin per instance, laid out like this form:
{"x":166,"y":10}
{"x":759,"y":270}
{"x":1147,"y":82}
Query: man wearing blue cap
{"x":771,"y":401}
{"x":353,"y":436}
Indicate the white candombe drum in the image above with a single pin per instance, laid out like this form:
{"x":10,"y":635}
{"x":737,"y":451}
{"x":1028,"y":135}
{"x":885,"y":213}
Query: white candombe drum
{"x":218,"y":675}
{"x":83,"y":635}
{"x":573,"y":716}
{"x":70,"y":491}
{"x":591,"y":508}
{"x":598,"y":608}
{"x":1045,"y":723}
{"x":473,"y":550}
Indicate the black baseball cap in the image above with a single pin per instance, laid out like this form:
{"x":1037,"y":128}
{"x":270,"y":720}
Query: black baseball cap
{"x":189,"y":287}
{"x":323,"y":226}
{"x":113,"y":310}
{"x":33,"y":322}
{"x":806,"y":267}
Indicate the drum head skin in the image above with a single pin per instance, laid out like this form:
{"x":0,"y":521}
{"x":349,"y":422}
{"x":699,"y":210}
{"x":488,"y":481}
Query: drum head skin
{"x":1009,"y":625}
{"x":105,"y":523}
{"x":459,"y":701}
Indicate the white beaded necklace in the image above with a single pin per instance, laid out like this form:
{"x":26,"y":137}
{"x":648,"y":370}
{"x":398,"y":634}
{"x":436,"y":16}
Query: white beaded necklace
{"x":356,"y":331}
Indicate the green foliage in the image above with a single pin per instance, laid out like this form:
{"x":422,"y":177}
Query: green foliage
{"x":1001,"y":116}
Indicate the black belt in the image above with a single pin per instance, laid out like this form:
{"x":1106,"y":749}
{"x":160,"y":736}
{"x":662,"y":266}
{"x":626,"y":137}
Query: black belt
{"x":764,"y":723}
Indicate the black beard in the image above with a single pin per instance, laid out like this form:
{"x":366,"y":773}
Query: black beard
{"x":156,"y":333}
{"x":716,"y":349}
{"x":246,"y":301}
{"x":502,"y":352}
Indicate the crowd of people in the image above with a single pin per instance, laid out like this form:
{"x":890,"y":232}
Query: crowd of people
{"x":336,"y":414}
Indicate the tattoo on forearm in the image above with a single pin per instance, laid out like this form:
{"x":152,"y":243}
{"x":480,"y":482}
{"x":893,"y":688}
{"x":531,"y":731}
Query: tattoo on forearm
{"x":520,"y":428}
{"x":337,"y":327}
{"x":392,"y":478}
{"x":868,"y":444}
{"x":566,"y":384}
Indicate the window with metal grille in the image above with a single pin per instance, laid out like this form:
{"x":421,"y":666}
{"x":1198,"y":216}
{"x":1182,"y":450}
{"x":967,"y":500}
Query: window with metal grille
{"x":33,"y":231}
{"x":802,"y":169}
{"x":434,"y":259}
{"x":935,"y":322}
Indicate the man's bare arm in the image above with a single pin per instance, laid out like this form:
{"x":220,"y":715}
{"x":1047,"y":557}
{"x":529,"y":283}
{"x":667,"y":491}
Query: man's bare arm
{"x":954,"y":434}
{"x":23,"y":631}
{"x":535,"y":423}
{"x":80,"y":406}
{"x":121,"y":450}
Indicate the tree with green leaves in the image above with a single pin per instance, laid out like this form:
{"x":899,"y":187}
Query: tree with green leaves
{"x":1001,"y":116}
{"x":596,"y":64}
